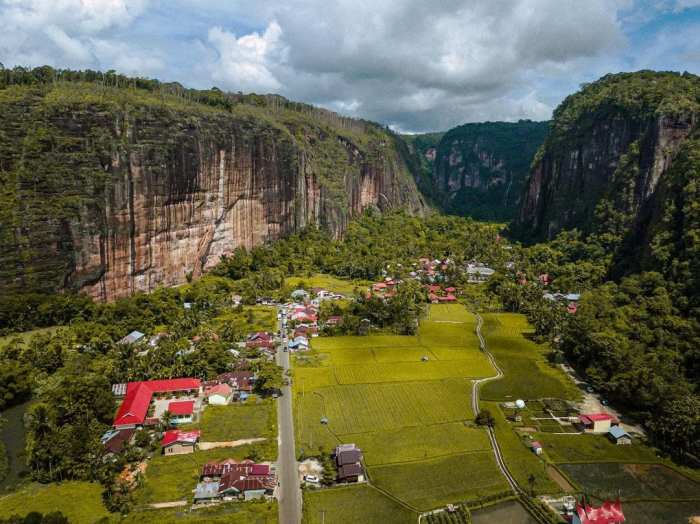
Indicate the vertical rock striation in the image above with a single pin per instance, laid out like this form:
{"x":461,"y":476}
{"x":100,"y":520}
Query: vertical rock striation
{"x":122,"y":191}
{"x":610,"y":146}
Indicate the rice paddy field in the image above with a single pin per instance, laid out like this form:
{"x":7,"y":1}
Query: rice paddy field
{"x":359,"y":503}
{"x":633,"y":481}
{"x":528,"y":375}
{"x":405,"y":401}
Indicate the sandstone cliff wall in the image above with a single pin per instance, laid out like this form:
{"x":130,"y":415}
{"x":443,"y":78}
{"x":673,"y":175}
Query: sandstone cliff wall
{"x":114,"y":198}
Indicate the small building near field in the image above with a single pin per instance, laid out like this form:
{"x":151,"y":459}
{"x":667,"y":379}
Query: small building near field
{"x":114,"y":441}
{"x":536,"y":447}
{"x":132,"y":338}
{"x":348,"y":459}
{"x":619,"y":436}
{"x":206,"y":492}
{"x":219,"y":395}
{"x":351,"y":473}
{"x":597,"y":422}
{"x":176,"y":442}
{"x":181,"y":411}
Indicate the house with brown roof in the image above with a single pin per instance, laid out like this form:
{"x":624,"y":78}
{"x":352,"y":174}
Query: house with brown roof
{"x":348,"y":459}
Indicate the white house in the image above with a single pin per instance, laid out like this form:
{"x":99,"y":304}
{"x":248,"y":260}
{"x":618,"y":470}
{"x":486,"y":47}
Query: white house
{"x":219,"y":395}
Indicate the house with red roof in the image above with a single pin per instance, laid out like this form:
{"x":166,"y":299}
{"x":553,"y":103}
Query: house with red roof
{"x":134,"y":408}
{"x":176,"y":442}
{"x":181,"y":411}
{"x":597,"y":422}
{"x":609,"y":513}
{"x":219,"y":394}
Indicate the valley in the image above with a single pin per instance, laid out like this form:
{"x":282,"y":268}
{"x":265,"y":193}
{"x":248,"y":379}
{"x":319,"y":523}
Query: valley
{"x":220,"y":307}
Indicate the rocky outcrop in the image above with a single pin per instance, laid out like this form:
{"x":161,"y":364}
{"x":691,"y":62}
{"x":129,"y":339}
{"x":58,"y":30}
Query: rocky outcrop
{"x":610,"y":146}
{"x":128,"y":191}
{"x":479,"y":170}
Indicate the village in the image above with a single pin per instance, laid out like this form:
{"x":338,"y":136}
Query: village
{"x":170,"y":409}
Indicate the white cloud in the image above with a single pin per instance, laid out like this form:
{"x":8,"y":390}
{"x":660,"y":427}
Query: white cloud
{"x":244,"y":63}
{"x":412,"y":64}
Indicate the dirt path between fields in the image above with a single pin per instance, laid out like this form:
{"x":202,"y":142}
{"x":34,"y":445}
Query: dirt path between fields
{"x":229,"y":444}
{"x":560,"y":479}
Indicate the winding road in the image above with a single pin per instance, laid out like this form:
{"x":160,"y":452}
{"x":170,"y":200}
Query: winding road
{"x":475,"y":407}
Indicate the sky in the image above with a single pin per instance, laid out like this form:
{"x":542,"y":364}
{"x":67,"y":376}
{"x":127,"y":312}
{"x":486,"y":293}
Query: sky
{"x":414,"y":65}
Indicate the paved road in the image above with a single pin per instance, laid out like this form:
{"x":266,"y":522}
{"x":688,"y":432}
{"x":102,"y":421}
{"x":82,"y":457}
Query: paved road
{"x":475,"y":408}
{"x":289,"y":492}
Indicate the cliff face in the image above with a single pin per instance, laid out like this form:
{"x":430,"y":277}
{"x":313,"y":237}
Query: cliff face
{"x":610,"y":146}
{"x":111,"y":191}
{"x":479,"y":170}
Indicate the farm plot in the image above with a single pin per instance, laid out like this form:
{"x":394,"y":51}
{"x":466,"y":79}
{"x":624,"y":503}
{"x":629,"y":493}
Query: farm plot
{"x":634,"y":481}
{"x":527,"y":373}
{"x":591,"y":448}
{"x":443,"y":334}
{"x":370,"y":407}
{"x":418,"y":443}
{"x":522,"y":463}
{"x":660,"y":512}
{"x":359,"y":503}
{"x":475,"y":367}
{"x":510,"y":512}
{"x":451,"y":313}
{"x":433,"y":483}
{"x":329,"y":344}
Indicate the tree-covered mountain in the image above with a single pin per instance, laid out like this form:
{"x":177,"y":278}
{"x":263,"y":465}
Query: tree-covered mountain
{"x":479,"y":170}
{"x":610,"y":146}
{"x":614,"y":197}
{"x":111,"y":185}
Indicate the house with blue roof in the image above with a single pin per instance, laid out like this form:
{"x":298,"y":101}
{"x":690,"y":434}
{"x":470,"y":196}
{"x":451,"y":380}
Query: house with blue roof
{"x":619,"y":436}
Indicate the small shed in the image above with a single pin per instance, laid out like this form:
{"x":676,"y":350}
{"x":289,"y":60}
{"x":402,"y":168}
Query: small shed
{"x":206,"y":492}
{"x":536,"y":447}
{"x":597,"y":422}
{"x":619,"y":436}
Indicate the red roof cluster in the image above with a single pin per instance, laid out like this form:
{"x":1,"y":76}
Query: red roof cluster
{"x":135,"y":406}
{"x":242,"y":476}
{"x":609,"y":513}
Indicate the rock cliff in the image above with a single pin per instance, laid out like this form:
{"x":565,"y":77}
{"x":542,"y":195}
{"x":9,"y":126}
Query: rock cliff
{"x":610,"y":146}
{"x":479,"y":170}
{"x":110,"y":190}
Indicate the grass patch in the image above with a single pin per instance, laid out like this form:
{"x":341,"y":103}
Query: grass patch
{"x":360,"y":503}
{"x":27,"y":335}
{"x":81,"y":502}
{"x":634,"y":481}
{"x":328,"y":282}
{"x":433,"y":483}
{"x":250,"y":318}
{"x":527,"y":373}
{"x":235,"y":513}
{"x":174,"y":477}
{"x":233,"y":422}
